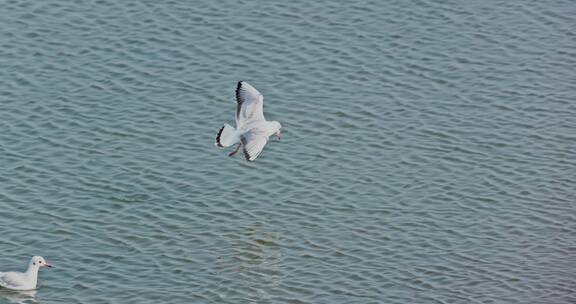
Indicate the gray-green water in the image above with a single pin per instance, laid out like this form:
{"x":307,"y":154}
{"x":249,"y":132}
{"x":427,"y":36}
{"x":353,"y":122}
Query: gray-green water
{"x":428,"y":152}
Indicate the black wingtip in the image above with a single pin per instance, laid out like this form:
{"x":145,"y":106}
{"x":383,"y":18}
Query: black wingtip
{"x":218,"y":137}
{"x":246,"y":154}
{"x":238,"y":87}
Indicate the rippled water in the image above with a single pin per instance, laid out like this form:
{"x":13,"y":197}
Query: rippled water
{"x":428,"y":152}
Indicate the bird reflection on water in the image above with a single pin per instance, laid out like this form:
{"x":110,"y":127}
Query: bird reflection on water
{"x":253,"y":262}
{"x":18,"y":297}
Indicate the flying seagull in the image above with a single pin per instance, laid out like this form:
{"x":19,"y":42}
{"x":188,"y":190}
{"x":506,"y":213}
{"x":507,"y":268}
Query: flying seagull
{"x":252,"y":129}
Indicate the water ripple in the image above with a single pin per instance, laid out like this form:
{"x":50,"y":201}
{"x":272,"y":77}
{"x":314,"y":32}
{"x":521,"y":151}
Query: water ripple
{"x":427,"y":154}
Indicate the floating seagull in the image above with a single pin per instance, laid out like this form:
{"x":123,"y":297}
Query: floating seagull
{"x":252,"y":130}
{"x":23,"y":280}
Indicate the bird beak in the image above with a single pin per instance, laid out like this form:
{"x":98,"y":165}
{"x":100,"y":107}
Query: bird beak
{"x":48,"y":265}
{"x":279,"y":135}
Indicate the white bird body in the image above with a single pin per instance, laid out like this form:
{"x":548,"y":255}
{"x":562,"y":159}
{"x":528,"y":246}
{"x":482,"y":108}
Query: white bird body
{"x":23,"y":280}
{"x":252,"y":129}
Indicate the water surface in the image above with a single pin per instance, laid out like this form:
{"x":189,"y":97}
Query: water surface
{"x":428,"y":152}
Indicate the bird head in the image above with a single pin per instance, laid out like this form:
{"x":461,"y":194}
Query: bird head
{"x":39,"y":262}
